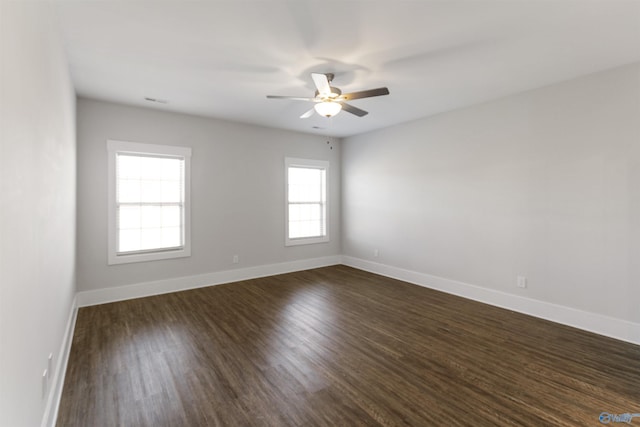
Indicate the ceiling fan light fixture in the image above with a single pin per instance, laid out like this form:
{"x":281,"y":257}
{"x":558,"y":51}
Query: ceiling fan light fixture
{"x":327,"y":108}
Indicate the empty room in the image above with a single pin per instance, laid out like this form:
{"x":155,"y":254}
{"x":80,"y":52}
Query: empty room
{"x":320,"y":213}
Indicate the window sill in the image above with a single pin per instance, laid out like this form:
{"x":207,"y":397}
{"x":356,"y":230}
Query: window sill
{"x":306,"y":241}
{"x":149,"y":256}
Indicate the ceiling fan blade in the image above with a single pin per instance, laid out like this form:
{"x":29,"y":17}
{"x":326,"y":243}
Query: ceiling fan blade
{"x":365,"y":94}
{"x":322,"y":83}
{"x":353,"y":110}
{"x":307,"y":114}
{"x":295,"y":98}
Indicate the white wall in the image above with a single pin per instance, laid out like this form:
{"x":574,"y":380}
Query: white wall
{"x":37,"y":217}
{"x":237,"y":192}
{"x":545,"y":184}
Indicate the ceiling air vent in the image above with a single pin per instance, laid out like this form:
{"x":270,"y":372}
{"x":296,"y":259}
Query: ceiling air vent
{"x":156,"y":100}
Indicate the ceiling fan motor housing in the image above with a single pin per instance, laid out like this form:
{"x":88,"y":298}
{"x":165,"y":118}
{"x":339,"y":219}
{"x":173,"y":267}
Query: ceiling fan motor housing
{"x":335,"y":92}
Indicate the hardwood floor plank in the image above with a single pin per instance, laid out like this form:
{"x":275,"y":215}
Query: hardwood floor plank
{"x":337,"y":347}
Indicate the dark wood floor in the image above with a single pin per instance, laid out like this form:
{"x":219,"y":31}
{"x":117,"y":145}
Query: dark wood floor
{"x":337,"y":347}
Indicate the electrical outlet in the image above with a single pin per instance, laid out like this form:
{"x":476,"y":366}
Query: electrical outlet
{"x":236,"y":259}
{"x":522,"y":282}
{"x":376,"y":253}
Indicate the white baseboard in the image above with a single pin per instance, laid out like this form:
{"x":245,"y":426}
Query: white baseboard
{"x":592,"y":322}
{"x":55,"y":393}
{"x":139,"y":290}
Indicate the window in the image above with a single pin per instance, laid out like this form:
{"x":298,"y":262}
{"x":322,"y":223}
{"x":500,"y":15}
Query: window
{"x":148,"y":202}
{"x":306,"y":201}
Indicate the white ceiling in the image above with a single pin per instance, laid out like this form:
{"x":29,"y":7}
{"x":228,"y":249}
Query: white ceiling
{"x":221,"y":58}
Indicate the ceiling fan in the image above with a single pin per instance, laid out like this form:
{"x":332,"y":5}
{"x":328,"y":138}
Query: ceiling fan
{"x":330,"y":100}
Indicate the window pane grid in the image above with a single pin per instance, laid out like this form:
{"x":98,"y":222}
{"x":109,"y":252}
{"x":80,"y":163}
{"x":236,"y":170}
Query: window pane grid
{"x":149,"y":203}
{"x":306,"y":220}
{"x":306,"y":200}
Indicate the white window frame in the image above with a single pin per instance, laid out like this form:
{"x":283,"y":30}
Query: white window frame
{"x":311,"y":164}
{"x":113,"y":149}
